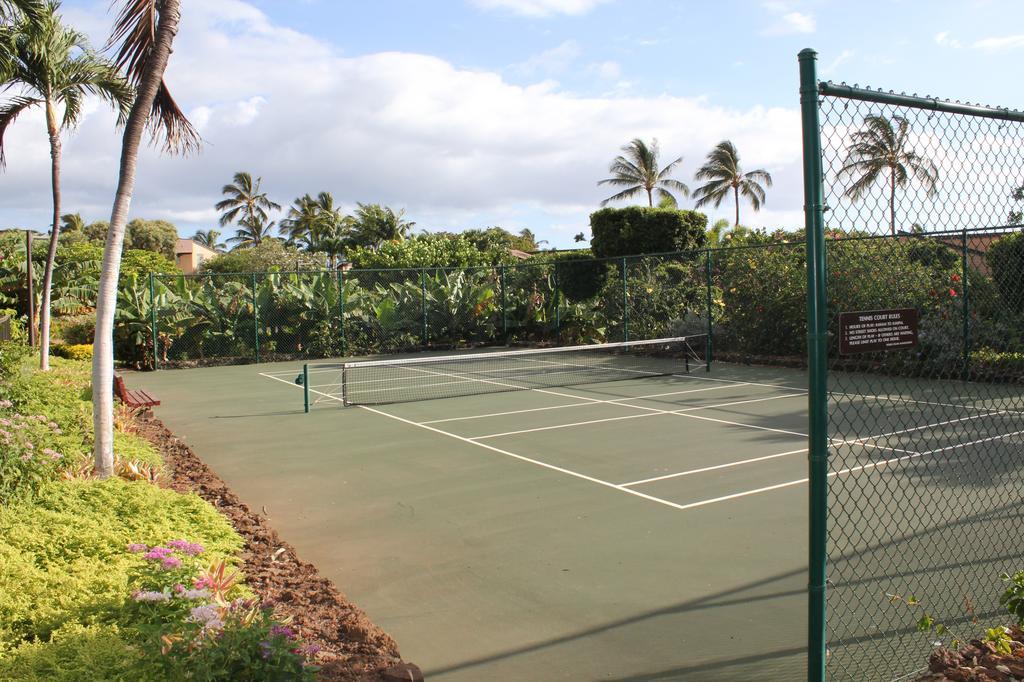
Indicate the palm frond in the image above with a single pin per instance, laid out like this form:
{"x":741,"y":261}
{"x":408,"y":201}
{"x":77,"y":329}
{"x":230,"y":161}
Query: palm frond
{"x":9,"y":112}
{"x":624,"y":194}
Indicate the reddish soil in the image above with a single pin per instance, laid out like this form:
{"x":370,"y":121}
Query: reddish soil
{"x":351,"y":646}
{"x":978,"y":662}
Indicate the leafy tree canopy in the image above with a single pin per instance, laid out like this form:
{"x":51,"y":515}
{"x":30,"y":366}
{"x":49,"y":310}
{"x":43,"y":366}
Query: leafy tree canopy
{"x":468,"y":249}
{"x":269,"y":255}
{"x":158,"y":236}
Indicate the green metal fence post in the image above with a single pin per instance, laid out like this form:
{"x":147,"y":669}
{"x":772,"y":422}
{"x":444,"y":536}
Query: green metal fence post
{"x":305,"y":388}
{"x":341,"y":308}
{"x":423,"y":305}
{"x":965,"y":297}
{"x":709,"y":347}
{"x":625,"y":303}
{"x":504,"y":305}
{"x":152,"y":315}
{"x":817,"y":363}
{"x":255,"y":318}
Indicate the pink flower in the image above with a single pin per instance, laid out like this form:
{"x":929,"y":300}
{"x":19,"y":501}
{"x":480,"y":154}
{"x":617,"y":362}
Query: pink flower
{"x":137,"y":548}
{"x":171,"y":562}
{"x":151,"y":596}
{"x":186,"y":547}
{"x":158,"y":553}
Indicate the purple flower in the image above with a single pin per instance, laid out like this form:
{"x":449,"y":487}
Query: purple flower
{"x":137,"y":548}
{"x":265,"y":649}
{"x":208,"y":616}
{"x":282,"y":631}
{"x":310,"y":650}
{"x":195,"y":594}
{"x":158,"y":553}
{"x":151,"y":596}
{"x":186,"y":547}
{"x":170,"y":562}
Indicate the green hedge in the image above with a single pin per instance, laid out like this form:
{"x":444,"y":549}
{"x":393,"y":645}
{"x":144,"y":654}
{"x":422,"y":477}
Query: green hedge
{"x":1006,"y":259}
{"x":580,"y":275}
{"x":638,"y":230}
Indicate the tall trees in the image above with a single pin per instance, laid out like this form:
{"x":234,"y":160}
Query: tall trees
{"x":247,"y":205}
{"x":251,"y":232}
{"x":882,"y":146}
{"x":144,"y":31}
{"x":375,"y":224}
{"x":51,"y":65}
{"x":638,"y":172}
{"x":208,"y":238}
{"x":724,"y":177}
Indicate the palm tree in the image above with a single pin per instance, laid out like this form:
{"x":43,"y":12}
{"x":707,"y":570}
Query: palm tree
{"x":245,"y":201}
{"x":52,"y":65}
{"x":298,"y":225}
{"x":251,"y":232}
{"x":143,"y":33}
{"x":724,"y":176}
{"x":881,"y":146}
{"x":331,"y":231}
{"x":72,"y":222}
{"x":208,"y":238}
{"x":374,"y":224}
{"x":638,"y":172}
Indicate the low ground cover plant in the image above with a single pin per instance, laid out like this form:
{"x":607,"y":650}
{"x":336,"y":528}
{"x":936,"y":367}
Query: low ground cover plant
{"x":116,"y":579}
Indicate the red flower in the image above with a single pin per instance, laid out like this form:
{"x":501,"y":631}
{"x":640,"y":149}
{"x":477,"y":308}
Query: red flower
{"x":952,"y":292}
{"x":955,"y":277}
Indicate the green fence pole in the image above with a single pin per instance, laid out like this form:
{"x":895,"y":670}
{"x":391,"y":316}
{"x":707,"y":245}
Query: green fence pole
{"x":710,"y":347}
{"x":817,"y":364}
{"x":423,"y":305}
{"x":152,"y":315}
{"x":625,"y":303}
{"x":305,"y":388}
{"x":504,"y":305}
{"x":255,"y":318}
{"x":341,"y":308}
{"x":965,"y":297}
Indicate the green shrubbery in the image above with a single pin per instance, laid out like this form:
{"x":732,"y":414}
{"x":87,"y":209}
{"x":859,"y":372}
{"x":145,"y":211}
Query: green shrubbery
{"x":115,"y":579}
{"x":80,"y":351}
{"x":580,"y":275}
{"x":430,"y":250}
{"x":1006,"y":260}
{"x":641,"y":230}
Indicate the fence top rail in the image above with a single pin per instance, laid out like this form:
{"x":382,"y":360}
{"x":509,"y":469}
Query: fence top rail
{"x":844,"y":91}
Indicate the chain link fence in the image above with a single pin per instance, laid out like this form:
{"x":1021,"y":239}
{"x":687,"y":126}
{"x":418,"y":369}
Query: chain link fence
{"x":924,"y":260}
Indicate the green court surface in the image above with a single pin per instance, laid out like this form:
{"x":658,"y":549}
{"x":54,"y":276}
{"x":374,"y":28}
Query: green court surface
{"x":652,"y":528}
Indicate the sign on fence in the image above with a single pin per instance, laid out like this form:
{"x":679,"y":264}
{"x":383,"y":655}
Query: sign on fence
{"x":877,"y":330}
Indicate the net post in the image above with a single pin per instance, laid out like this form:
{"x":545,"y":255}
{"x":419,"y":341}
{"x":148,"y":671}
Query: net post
{"x":504,"y":305}
{"x":305,"y":387}
{"x":344,"y":386}
{"x":817,"y":361}
{"x":255,"y":319}
{"x":341,"y":309}
{"x":966,"y":305}
{"x":424,"y":339}
{"x":152,"y":319}
{"x":709,"y":347}
{"x":625,"y":303}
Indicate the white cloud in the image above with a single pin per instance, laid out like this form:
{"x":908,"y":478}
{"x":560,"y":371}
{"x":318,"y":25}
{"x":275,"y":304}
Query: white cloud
{"x":553,"y":61}
{"x":456,"y":147}
{"x":539,"y":8}
{"x":787,"y":20}
{"x":607,"y":70}
{"x":1000,"y":43}
{"x":945,"y":40}
{"x":840,"y":59}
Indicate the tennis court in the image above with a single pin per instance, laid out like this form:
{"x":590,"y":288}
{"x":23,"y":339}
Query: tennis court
{"x":646,"y":521}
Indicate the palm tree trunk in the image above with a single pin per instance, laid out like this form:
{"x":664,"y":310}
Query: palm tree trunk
{"x":106,"y":303}
{"x":892,"y":201}
{"x":736,"y":194}
{"x":51,"y":254}
{"x":650,"y":199}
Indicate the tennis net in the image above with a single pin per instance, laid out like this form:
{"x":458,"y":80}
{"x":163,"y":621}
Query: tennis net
{"x":377,"y":382}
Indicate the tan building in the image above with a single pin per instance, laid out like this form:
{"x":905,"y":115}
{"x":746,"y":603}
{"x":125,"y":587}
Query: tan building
{"x":190,"y":255}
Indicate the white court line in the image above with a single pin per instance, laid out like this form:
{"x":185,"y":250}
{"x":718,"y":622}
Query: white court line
{"x":713,"y":468}
{"x":653,"y":413}
{"x":545,"y":465}
{"x":558,"y":407}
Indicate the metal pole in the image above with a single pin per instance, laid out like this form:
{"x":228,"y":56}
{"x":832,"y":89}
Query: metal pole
{"x":305,"y":388}
{"x":152,"y":315}
{"x":558,"y":303}
{"x":710,"y":347}
{"x":31,"y":289}
{"x":255,"y":318}
{"x":817,"y":363}
{"x":966,"y":308}
{"x":504,"y":305}
{"x":341,"y":306}
{"x":625,"y":304}
{"x":423,"y":305}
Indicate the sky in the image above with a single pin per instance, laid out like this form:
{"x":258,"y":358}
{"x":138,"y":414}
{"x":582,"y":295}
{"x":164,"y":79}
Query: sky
{"x":472,"y":113}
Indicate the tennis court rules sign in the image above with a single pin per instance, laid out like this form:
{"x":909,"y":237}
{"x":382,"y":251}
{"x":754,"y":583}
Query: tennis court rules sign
{"x":877,"y":330}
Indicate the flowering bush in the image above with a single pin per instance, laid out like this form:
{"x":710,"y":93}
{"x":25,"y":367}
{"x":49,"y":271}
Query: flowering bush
{"x":198,"y":624}
{"x":26,"y":458}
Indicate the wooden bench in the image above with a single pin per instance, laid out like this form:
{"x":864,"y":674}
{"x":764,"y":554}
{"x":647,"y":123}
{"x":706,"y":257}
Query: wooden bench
{"x":132,"y":398}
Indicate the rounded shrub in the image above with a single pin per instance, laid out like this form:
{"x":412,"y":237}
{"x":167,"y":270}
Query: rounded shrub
{"x":580,"y":275}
